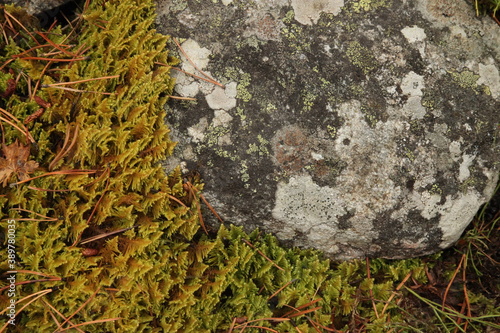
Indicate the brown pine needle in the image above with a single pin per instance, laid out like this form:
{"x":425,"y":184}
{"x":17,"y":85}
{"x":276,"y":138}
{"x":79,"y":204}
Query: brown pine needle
{"x":400,"y":285}
{"x":177,"y":200}
{"x":47,"y":65}
{"x":43,"y":217}
{"x":205,"y":201}
{"x":111,"y":233}
{"x":60,"y":314}
{"x":304,"y":312}
{"x":262,"y":254}
{"x":20,"y":24}
{"x":81,"y":91}
{"x":183,"y":98}
{"x":37,"y":294}
{"x":54,"y":59}
{"x":89,"y":323}
{"x":65,"y":150}
{"x":211,"y":208}
{"x":28,"y":135}
{"x":29,"y":282}
{"x":445,"y":295}
{"x":78,"y":310}
{"x":60,"y":172}
{"x":280,"y":289}
{"x":59,"y":47}
{"x":196,"y":67}
{"x":94,"y":210}
{"x":32,"y":272}
{"x":368,"y":275}
{"x":191,"y":74}
{"x":81,"y":81}
{"x":300,"y":307}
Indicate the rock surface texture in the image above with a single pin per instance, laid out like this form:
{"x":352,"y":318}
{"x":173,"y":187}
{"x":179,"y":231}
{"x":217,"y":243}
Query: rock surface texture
{"x":46,"y":9}
{"x":360,"y":128}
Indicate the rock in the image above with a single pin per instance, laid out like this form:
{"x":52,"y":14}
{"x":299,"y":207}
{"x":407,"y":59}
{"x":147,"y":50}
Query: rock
{"x":45,"y":10}
{"x":360,"y":128}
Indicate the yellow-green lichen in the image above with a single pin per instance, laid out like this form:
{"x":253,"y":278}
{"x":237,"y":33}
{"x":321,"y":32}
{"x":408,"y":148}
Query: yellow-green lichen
{"x":466,"y":79}
{"x":295,"y":38}
{"x":258,"y":148}
{"x":368,"y":5}
{"x":435,"y":189}
{"x":308,"y":99}
{"x":332,"y":131}
{"x":243,"y":80}
{"x":361,"y":57}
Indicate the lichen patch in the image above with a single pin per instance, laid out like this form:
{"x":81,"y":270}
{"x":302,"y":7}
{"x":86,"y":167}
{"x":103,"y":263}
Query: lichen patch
{"x":309,"y":12}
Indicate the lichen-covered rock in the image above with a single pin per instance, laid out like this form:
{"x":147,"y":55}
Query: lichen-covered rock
{"x":361,"y":128}
{"x":38,"y":7}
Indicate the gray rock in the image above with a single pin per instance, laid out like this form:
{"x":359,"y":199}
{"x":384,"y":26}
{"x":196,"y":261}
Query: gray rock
{"x":360,"y":128}
{"x":45,"y":10}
